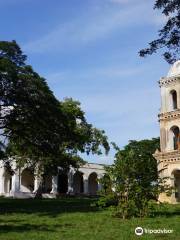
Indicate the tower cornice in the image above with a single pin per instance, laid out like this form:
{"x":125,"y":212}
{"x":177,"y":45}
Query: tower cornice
{"x":166,"y":81}
{"x":169,"y":115}
{"x":168,"y":157}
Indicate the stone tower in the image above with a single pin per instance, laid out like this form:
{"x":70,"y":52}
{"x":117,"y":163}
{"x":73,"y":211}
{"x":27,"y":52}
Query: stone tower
{"x":169,"y":156}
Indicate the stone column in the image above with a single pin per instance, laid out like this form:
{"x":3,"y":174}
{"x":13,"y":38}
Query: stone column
{"x":36,"y":183}
{"x":2,"y":180}
{"x":70,"y":182}
{"x":99,"y":183}
{"x":16,"y":182}
{"x":85,"y":181}
{"x":54,"y":184}
{"x":99,"y":186}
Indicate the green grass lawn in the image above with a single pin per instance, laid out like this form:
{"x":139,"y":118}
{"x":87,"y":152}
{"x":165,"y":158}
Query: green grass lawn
{"x":76,"y":219}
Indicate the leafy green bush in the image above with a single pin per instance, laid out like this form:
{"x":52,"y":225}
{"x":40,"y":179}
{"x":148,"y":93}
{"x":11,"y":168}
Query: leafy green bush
{"x":132,"y":183}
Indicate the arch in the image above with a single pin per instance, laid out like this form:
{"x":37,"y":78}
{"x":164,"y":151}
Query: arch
{"x":176,"y":183}
{"x":78,"y":184}
{"x":62,"y":182}
{"x":93,"y":183}
{"x":27,"y":180}
{"x":7,"y":181}
{"x":173,"y":99}
{"x":175,"y":138}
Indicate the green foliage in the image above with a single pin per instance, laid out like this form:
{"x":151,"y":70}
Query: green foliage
{"x":169,"y":35}
{"x":133,"y":179}
{"x":82,"y":136}
{"x":107,"y":196}
{"x":107,"y":200}
{"x":39,"y":129}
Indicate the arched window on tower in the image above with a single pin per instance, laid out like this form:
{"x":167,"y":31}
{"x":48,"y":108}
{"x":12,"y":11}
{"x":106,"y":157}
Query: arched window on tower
{"x":175,"y":137}
{"x":173,"y":94}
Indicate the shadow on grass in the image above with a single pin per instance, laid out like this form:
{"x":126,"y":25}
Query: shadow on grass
{"x":7,"y":227}
{"x":24,"y":228}
{"x":167,"y":210}
{"x":49,"y":207}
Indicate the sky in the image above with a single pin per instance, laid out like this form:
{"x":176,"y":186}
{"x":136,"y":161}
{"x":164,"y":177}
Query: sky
{"x":88,"y":50}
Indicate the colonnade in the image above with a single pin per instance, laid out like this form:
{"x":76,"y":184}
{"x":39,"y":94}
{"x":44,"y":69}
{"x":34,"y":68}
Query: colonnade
{"x":82,"y":181}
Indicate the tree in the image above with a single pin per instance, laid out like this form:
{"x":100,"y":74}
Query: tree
{"x":31,"y":117}
{"x":134,"y":178}
{"x":39,"y":129}
{"x":169,"y":35}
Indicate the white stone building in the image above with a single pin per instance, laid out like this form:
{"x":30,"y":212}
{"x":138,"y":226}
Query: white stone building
{"x":169,"y":156}
{"x":23,"y":183}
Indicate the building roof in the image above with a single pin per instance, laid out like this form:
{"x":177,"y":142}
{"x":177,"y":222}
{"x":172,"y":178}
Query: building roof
{"x":174,"y":70}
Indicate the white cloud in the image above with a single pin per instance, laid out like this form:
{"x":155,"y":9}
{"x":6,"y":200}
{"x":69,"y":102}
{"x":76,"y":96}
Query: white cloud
{"x":128,"y":103}
{"x":114,"y":72}
{"x":95,"y":25}
{"x":109,"y":72}
{"x":122,"y":1}
{"x":124,"y":115}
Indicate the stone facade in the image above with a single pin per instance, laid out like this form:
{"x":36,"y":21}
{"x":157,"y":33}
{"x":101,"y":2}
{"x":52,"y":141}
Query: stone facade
{"x":168,"y":158}
{"x":23,"y":183}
